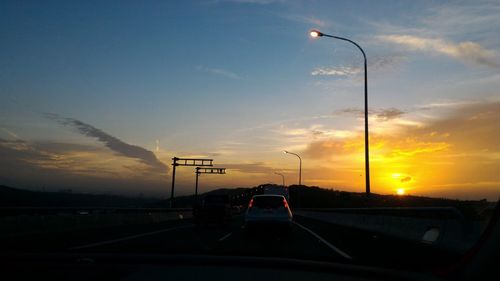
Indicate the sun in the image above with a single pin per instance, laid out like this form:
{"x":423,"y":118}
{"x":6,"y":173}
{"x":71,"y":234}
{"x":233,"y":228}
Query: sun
{"x":400,"y":191}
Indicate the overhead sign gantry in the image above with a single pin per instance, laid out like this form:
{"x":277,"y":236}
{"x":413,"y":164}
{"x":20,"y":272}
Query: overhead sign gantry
{"x":200,"y":170}
{"x":176,"y":161}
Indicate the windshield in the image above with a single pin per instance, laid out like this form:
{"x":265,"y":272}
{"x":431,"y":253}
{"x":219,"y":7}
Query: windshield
{"x":366,"y":132}
{"x":267,"y":202}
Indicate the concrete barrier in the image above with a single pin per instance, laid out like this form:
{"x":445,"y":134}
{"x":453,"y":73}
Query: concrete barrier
{"x":442,"y":227}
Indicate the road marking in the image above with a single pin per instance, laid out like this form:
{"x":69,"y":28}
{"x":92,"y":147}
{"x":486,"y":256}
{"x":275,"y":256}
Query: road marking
{"x":225,"y":236}
{"x":128,"y":237}
{"x":337,"y":250}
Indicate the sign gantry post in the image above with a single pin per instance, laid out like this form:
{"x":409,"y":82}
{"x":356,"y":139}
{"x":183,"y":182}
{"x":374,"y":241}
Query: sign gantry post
{"x":176,"y":161}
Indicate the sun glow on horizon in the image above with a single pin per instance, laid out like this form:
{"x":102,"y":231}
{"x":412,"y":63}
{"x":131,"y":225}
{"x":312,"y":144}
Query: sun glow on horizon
{"x":396,"y":176}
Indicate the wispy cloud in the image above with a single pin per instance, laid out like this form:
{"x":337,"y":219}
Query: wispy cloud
{"x":257,"y":2}
{"x":449,"y":20}
{"x":389,"y":113}
{"x":335,"y":71}
{"x":405,"y":179}
{"x":464,"y":17}
{"x":444,"y":104}
{"x":304,"y":134}
{"x":219,"y":71}
{"x":250,"y":168}
{"x":466,"y":51}
{"x":10,"y":133}
{"x":376,"y":65}
{"x":132,"y":151}
{"x":309,"y":20}
{"x":82,"y":167}
{"x":382,"y":114}
{"x":461,"y":30}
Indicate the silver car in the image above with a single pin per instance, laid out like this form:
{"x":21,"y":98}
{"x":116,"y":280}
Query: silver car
{"x":268,"y":210}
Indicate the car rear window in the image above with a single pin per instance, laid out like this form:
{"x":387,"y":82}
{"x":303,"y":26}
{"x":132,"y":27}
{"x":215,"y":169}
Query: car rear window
{"x":268,"y":202}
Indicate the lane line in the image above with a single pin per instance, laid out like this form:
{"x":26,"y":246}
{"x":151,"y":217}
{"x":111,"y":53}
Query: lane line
{"x":225,"y":236}
{"x":331,"y":246}
{"x":107,"y":242}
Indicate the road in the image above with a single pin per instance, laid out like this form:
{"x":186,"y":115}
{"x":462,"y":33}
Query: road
{"x":308,"y":240}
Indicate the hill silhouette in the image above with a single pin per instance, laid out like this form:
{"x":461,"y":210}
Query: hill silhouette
{"x":317,"y":197}
{"x":187,"y":201}
{"x":14,"y":197}
{"x":300,"y":197}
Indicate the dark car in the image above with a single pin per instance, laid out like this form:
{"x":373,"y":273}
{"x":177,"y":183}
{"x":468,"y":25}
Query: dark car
{"x":268,"y":210}
{"x":212,"y":209}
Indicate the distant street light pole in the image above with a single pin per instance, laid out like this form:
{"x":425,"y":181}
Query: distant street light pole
{"x":300,"y":164}
{"x":315,"y":34}
{"x":285,"y":189}
{"x":282,"y":177}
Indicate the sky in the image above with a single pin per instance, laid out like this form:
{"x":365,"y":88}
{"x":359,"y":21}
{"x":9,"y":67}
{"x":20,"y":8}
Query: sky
{"x":98,"y":96}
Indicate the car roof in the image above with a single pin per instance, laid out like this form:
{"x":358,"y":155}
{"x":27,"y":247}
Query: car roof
{"x":268,"y":195}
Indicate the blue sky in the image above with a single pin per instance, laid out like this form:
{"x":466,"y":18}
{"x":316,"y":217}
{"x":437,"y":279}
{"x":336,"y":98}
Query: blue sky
{"x":236,"y":80}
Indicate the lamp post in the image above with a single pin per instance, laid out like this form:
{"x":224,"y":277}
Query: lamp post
{"x":282,"y":177}
{"x":286,"y":191}
{"x":300,"y":164}
{"x":315,"y":34}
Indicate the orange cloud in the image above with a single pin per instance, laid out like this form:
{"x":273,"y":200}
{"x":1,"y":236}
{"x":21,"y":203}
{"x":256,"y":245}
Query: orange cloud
{"x":449,"y":156}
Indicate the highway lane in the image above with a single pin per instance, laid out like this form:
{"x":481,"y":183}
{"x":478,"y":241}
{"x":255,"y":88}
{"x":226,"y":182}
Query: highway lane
{"x":231,"y":239}
{"x":309,"y":239}
{"x":62,"y":241}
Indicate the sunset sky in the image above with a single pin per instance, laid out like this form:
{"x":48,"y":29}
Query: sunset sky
{"x":98,"y":96}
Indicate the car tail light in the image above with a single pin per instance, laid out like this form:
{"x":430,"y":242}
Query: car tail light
{"x":250,"y":204}
{"x":285,"y":204}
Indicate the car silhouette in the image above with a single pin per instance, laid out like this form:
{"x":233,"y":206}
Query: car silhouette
{"x":268,"y":210}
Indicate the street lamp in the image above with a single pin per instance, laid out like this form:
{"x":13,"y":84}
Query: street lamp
{"x":282,"y":177}
{"x":300,"y":164}
{"x":315,"y":34}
